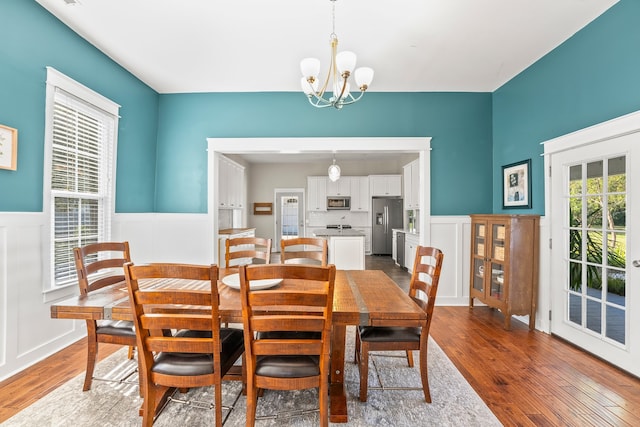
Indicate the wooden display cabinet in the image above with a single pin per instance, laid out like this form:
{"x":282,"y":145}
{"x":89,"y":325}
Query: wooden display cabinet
{"x":504,"y":264}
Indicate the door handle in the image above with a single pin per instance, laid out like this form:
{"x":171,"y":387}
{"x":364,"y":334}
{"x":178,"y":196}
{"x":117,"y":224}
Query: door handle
{"x":636,"y":263}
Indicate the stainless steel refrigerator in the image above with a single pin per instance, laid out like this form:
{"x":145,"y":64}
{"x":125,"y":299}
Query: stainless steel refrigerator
{"x":387,"y":215}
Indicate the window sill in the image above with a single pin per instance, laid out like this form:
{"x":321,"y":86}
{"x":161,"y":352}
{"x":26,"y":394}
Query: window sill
{"x":59,"y":292}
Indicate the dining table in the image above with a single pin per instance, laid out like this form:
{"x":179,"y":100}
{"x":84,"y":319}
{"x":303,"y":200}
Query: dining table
{"x":361,"y":297}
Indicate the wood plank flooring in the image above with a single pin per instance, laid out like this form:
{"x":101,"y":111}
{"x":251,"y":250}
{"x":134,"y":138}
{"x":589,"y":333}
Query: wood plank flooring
{"x":526,"y":378}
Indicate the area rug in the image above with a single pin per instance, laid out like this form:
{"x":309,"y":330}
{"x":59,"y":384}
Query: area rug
{"x":455,"y":403}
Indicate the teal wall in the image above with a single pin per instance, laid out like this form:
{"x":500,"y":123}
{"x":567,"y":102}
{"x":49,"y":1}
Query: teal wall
{"x":31,"y":39}
{"x":459,"y":123}
{"x":592,"y":77}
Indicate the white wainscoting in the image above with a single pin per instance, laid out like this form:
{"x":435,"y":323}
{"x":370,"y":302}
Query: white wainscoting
{"x":452,"y":235}
{"x":28,"y":334}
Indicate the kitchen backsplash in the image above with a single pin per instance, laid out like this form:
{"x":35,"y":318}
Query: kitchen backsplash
{"x":321,"y":219}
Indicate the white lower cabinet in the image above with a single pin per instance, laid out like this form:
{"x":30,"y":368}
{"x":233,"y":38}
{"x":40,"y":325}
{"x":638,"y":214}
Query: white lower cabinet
{"x":367,"y":239}
{"x":410,"y":245}
{"x":347,"y":252}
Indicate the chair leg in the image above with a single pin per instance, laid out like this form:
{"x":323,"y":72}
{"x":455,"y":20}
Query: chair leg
{"x":356,"y":353}
{"x":218,"y":402}
{"x":410,"y":358}
{"x":92,"y":355}
{"x":252,"y":401}
{"x":424,"y":374}
{"x":149,"y":404}
{"x":323,"y":392}
{"x":130,"y":353}
{"x":364,"y":371}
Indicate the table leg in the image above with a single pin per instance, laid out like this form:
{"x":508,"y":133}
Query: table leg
{"x":337,"y":394}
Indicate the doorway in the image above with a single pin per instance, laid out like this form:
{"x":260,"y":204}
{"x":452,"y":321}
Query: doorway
{"x":595,"y":240}
{"x":289,"y":218}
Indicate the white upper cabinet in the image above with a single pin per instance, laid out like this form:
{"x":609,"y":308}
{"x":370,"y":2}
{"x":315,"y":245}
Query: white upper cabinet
{"x":317,"y":193}
{"x":360,"y":194}
{"x":385,"y":185}
{"x":412,"y":185}
{"x":341,"y":187}
{"x":230,"y":184}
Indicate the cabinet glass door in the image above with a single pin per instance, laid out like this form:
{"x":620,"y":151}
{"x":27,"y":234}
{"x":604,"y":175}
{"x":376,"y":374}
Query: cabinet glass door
{"x":498,"y":232}
{"x":479,"y":257}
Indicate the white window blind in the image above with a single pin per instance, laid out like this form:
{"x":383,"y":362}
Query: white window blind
{"x":81,"y":152}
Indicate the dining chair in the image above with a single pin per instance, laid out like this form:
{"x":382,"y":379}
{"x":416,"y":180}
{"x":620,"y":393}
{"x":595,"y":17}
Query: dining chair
{"x":287,"y":331}
{"x":422,"y":289}
{"x":313,"y":251}
{"x":199,"y":352}
{"x":99,"y":265}
{"x":247,"y":250}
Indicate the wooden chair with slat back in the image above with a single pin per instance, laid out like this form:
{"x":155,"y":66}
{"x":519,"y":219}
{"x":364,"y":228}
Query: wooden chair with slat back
{"x":313,"y":251}
{"x":99,"y":265}
{"x":200,"y":352}
{"x":287,"y":331}
{"x":422,"y":289}
{"x":247,"y":250}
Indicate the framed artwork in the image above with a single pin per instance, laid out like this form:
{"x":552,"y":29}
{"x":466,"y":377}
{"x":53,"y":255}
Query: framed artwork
{"x":8,"y":148}
{"x":516,"y":185}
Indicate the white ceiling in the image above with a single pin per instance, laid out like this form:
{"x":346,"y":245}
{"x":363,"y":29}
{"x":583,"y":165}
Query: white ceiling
{"x":178,"y":46}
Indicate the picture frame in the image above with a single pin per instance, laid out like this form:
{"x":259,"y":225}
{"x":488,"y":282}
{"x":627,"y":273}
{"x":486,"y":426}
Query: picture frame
{"x":8,"y":148}
{"x":516,"y":185}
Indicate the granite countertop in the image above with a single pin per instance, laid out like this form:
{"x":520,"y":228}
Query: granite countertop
{"x":331,"y":232}
{"x":406,"y":231}
{"x":234,"y":230}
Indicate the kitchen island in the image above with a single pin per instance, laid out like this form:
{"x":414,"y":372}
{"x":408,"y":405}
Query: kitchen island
{"x":345,"y":247}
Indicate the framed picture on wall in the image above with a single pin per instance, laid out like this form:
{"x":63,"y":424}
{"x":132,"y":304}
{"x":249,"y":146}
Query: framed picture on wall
{"x":8,"y":148}
{"x":516,"y":185}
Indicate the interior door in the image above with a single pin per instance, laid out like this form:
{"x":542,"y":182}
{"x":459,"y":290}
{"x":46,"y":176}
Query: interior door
{"x":289,"y":218}
{"x":595,"y":231}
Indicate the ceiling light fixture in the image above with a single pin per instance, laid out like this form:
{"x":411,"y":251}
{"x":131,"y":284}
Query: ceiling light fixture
{"x":334,"y":171}
{"x":341,"y":66}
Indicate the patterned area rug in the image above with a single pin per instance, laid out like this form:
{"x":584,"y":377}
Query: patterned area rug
{"x":455,"y":403}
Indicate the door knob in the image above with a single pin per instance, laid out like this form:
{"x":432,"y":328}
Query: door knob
{"x":636,"y":263}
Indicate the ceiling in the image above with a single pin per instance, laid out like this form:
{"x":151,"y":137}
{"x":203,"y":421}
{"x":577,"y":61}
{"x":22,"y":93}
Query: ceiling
{"x":178,"y":46}
{"x":182,"y":46}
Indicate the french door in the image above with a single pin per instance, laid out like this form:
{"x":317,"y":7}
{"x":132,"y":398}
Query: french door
{"x":595,"y":255}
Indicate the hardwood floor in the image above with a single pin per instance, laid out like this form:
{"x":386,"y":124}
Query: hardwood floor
{"x":526,"y":378}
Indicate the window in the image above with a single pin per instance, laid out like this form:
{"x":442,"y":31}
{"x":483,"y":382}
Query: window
{"x":81,"y":134}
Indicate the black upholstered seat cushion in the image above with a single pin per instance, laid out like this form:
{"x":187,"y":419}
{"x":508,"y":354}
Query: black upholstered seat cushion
{"x":115,"y":327}
{"x":200,"y":364}
{"x":389,"y":333}
{"x":295,"y":366}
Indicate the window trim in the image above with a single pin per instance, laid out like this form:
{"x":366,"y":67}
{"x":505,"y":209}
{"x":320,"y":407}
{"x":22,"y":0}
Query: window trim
{"x":56,"y":79}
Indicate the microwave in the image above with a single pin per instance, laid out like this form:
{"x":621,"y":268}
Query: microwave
{"x":337,"y":203}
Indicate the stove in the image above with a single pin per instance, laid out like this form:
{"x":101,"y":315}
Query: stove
{"x":338,"y":226}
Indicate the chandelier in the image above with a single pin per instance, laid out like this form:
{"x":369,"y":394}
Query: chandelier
{"x":340,"y":69}
{"x":334,"y":171}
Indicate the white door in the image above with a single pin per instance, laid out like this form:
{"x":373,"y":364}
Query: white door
{"x":289,"y":219}
{"x":595,"y":231}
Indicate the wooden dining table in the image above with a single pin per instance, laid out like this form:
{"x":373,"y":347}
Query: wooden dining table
{"x":361,"y":297}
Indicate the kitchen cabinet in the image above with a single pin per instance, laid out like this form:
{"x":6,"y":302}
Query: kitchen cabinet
{"x":341,"y":187}
{"x":411,"y":174}
{"x":317,"y":193}
{"x":385,"y":185}
{"x":410,"y":246}
{"x":360,"y":198}
{"x":230,"y":184}
{"x":367,"y":239}
{"x":504,"y":264}
{"x":347,"y":252}
{"x":394,"y":244}
{"x":231,"y":233}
